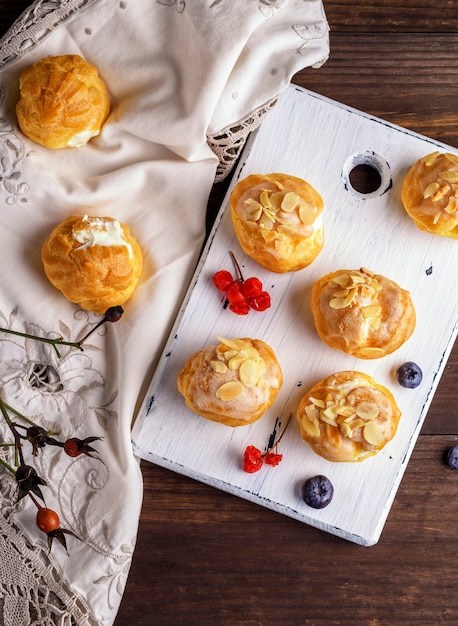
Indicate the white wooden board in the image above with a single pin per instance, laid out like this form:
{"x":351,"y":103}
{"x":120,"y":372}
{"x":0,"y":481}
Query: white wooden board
{"x":319,"y":140}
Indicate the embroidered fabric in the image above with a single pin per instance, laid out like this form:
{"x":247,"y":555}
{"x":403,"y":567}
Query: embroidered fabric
{"x":163,"y":129}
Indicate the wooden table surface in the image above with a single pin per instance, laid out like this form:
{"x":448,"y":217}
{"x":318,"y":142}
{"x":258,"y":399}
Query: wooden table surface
{"x":208,"y":558}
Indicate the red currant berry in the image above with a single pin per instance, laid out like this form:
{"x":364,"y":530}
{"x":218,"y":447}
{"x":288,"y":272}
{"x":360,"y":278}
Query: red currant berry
{"x":261,"y":302}
{"x":222,"y":279}
{"x":240,"y":309}
{"x":273,"y":459}
{"x":252,"y":460}
{"x":234,"y":293}
{"x":252,"y":287}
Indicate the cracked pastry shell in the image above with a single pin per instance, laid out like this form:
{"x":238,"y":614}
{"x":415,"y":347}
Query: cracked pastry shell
{"x":364,"y":314}
{"x":348,"y":417}
{"x":277,"y":220}
{"x":430,"y":194}
{"x":233,"y":382}
{"x":63,"y":102}
{"x":94,"y":262}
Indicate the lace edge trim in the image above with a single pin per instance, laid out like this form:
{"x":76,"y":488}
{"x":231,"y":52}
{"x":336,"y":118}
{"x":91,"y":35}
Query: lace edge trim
{"x":228,"y":143}
{"x":50,"y":591}
{"x":37,"y":22}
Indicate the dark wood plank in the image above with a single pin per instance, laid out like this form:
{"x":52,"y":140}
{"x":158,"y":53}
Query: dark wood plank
{"x":407,"y":79}
{"x":393,"y":15}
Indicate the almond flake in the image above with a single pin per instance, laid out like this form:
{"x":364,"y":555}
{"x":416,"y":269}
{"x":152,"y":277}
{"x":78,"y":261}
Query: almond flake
{"x":357,"y":279}
{"x":306,"y":214}
{"x":430,"y":158}
{"x":289,"y":202}
{"x":453,"y":158}
{"x":312,"y":413}
{"x":351,"y":296}
{"x":430,"y":190}
{"x":251,"y":353}
{"x":345,"y":411}
{"x":328,"y":413}
{"x":342,"y":281}
{"x":372,"y":353}
{"x":269,"y":235}
{"x":264,"y":198}
{"x":287,"y":230}
{"x":253,"y":212}
{"x":449,"y":176}
{"x":236,"y":362}
{"x":337,"y":303}
{"x":218,"y":366}
{"x":318,"y":402}
{"x":346,"y":430}
{"x":357,"y":423}
{"x":229,"y":391}
{"x":452,"y":205}
{"x":372,"y":433}
{"x":440,"y":193}
{"x":374,"y":322}
{"x":266,"y":222}
{"x":313,"y":430}
{"x":373,"y":310}
{"x":327,"y":419}
{"x":250,"y":372}
{"x":276,"y":200}
{"x":367,"y":410}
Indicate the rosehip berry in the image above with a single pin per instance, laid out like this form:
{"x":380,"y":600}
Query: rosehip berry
{"x":409,"y":375}
{"x":252,"y":460}
{"x":114,"y":313}
{"x":317,"y":491}
{"x":234,"y":293}
{"x":222,"y":280}
{"x":47,"y":520}
{"x":261,"y":302}
{"x":252,"y":287}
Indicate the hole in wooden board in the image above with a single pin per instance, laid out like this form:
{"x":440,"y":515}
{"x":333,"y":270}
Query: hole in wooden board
{"x":366,"y":175}
{"x":365,"y":178}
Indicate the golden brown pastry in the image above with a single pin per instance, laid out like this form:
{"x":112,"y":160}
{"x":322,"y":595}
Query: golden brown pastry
{"x":63,"y":102}
{"x":364,"y":314}
{"x":348,"y":417}
{"x":430,"y":194}
{"x":233,"y":383}
{"x":94,"y":261}
{"x":277,"y":219}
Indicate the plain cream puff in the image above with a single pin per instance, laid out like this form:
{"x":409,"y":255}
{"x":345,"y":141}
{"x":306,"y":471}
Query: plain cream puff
{"x":63,"y":102}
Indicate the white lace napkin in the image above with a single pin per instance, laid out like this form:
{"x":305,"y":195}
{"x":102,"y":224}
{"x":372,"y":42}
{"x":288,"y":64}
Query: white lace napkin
{"x":182,"y":75}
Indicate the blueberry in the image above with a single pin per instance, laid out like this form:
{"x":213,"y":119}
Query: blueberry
{"x":452,"y":457}
{"x":409,"y":375}
{"x":317,"y":491}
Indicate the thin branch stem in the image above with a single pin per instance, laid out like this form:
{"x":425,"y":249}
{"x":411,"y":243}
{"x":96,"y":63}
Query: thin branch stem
{"x":57,"y":341}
